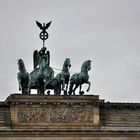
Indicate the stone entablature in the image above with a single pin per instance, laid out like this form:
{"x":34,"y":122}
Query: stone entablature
{"x":50,"y":117}
{"x":34,"y":111}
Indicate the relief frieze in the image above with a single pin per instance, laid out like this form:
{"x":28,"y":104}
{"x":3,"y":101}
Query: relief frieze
{"x":55,"y":115}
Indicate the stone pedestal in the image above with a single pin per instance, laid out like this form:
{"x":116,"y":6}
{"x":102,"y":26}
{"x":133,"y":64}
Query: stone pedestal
{"x":54,"y":112}
{"x":37,"y":117}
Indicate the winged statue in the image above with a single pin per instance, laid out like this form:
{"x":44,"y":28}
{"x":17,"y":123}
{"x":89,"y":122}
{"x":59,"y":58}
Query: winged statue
{"x":38,"y":56}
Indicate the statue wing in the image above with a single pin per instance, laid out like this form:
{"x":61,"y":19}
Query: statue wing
{"x":39,"y":25}
{"x":35,"y":59}
{"x":48,"y":25}
{"x":48,"y":56}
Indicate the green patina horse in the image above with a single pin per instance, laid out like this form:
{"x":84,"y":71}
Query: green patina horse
{"x":58,"y":83}
{"x":66,"y":74}
{"x":80,"y":78}
{"x":23,"y":78}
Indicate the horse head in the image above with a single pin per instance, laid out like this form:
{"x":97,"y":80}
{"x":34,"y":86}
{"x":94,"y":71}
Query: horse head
{"x":86,"y":66}
{"x":67,"y":64}
{"x":21,"y":65}
{"x":23,"y":78}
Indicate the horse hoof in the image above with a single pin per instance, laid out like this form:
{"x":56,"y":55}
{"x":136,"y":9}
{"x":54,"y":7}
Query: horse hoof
{"x":48,"y":92}
{"x":65,"y":92}
{"x":69,"y":93}
{"x":81,"y":92}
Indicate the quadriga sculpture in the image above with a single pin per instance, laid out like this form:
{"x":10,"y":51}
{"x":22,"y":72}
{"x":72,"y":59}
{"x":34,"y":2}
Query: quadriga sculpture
{"x":78,"y":79}
{"x":58,"y":83}
{"x":23,"y":78}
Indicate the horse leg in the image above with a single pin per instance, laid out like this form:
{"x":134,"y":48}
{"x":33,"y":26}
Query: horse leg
{"x":29,"y":90}
{"x":38,"y":91}
{"x":80,"y":90}
{"x":88,"y":86}
{"x":42,"y":91}
{"x":80,"y":87}
{"x":20,"y":88}
{"x":70,"y":88}
{"x":24,"y":89}
{"x":56,"y":91}
{"x":63,"y":85}
{"x":76,"y":86}
{"x":59,"y":90}
{"x":41,"y":85}
{"x":66,"y":89}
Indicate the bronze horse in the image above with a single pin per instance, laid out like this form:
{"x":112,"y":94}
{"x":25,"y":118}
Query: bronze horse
{"x":61,"y":79}
{"x":23,"y":78}
{"x":80,"y":78}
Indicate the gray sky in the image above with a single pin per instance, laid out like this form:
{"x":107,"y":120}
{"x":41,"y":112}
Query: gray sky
{"x":107,"y":31}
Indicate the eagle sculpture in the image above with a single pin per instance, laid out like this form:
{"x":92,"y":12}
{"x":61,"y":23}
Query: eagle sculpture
{"x":43,"y":27}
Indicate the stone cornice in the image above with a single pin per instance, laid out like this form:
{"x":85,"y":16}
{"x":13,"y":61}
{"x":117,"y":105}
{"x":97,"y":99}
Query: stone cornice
{"x":19,"y":99}
{"x":120,"y":105}
{"x":67,"y":133}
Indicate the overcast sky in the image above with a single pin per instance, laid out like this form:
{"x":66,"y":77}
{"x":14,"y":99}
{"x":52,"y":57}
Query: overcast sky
{"x":105,"y":31}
